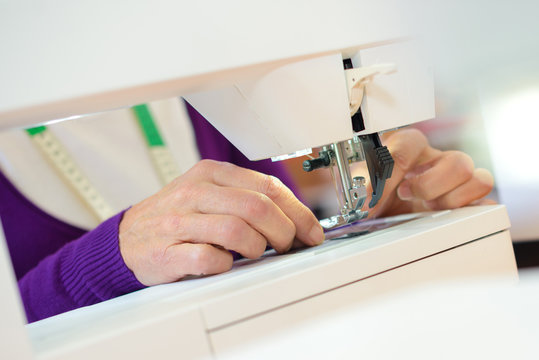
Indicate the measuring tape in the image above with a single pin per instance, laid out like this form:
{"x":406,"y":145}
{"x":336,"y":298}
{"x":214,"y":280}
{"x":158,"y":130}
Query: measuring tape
{"x":162,"y":159}
{"x":64,"y":164}
{"x":66,"y":167}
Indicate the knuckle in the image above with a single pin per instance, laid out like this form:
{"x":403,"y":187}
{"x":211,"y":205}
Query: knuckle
{"x":171,"y":223}
{"x":208,"y":261}
{"x":157,"y":258}
{"x":271,"y":186}
{"x":177,"y":226}
{"x":400,"y":146}
{"x":205,"y":166}
{"x":233,"y":228}
{"x":200,"y":256}
{"x":463,"y":164}
{"x":409,"y":135}
{"x":257,"y":205}
{"x":414,"y":135}
{"x":189,"y":190}
{"x":184,"y":191}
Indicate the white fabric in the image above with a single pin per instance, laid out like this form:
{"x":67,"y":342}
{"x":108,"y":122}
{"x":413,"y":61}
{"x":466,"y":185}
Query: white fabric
{"x":109,"y":148}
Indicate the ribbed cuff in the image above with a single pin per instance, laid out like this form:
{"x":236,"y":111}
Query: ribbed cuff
{"x":92,"y":268}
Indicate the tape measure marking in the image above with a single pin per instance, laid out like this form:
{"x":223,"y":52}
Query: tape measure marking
{"x":59,"y":157}
{"x":64,"y":164}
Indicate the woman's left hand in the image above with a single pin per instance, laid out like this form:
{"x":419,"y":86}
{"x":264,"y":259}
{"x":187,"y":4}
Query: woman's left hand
{"x":425,"y":178}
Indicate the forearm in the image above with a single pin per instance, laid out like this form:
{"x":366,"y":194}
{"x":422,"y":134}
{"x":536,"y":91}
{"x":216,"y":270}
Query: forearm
{"x":86,"y":271}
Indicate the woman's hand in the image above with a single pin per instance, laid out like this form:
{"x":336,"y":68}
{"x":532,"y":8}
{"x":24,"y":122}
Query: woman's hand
{"x":189,"y":226}
{"x":425,"y":178}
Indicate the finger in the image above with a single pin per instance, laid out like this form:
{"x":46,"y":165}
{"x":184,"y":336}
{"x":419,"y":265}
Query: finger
{"x":448,"y":172}
{"x":308,"y":229}
{"x":195,"y":259}
{"x":230,"y":232}
{"x":409,"y":148}
{"x":254,"y":208}
{"x":479,"y":186}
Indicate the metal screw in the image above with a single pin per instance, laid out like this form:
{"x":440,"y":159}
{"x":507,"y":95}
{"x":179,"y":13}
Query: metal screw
{"x":358,"y":181}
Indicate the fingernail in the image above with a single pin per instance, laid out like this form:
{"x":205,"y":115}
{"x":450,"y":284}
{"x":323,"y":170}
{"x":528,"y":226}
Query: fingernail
{"x":317,"y":234}
{"x":404,"y":191}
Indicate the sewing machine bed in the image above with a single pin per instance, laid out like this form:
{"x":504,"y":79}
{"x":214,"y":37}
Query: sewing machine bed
{"x":210,"y":316}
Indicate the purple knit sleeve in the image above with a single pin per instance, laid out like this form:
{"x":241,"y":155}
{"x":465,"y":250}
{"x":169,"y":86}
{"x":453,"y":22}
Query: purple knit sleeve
{"x":85,"y":271}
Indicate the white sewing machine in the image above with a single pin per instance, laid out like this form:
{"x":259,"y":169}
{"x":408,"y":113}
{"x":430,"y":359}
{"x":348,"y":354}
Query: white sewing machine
{"x":274,"y":87}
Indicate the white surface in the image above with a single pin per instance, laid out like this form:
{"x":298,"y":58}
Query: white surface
{"x":403,"y":97}
{"x":175,"y":334}
{"x":14,"y":341}
{"x":294,"y":107}
{"x":306,"y":104}
{"x":112,"y":152}
{"x":475,"y":319}
{"x":461,"y":263}
{"x":354,"y":260}
{"x":260,"y":287}
{"x":65,"y":58}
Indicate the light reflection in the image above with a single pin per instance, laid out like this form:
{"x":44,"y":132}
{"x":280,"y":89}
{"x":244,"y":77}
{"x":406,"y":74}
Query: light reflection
{"x":512,"y":124}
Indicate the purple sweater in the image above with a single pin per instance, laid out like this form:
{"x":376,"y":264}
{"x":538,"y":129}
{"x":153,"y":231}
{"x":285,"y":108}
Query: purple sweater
{"x":60,"y":267}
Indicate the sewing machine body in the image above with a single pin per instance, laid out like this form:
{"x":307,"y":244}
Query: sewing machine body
{"x":306,"y":104}
{"x":212,"y":316}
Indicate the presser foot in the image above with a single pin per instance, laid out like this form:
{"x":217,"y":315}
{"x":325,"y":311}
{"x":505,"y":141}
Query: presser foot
{"x":341,"y":220}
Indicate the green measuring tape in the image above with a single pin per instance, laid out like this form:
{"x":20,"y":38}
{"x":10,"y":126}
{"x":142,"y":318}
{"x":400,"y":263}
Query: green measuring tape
{"x":64,"y":164}
{"x":164,"y":163}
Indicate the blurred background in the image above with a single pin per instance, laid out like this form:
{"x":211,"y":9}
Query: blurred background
{"x":485,"y":56}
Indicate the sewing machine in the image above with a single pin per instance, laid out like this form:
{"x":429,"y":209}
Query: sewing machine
{"x":272,"y":97}
{"x":330,"y":104}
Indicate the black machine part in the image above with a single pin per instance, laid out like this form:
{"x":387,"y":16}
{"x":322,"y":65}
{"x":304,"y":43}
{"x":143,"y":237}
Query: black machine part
{"x":379,"y":162}
{"x":323,"y":160}
{"x":357,"y":119}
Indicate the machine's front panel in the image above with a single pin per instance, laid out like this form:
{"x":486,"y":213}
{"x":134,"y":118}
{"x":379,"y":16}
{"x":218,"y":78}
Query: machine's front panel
{"x":256,"y":289}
